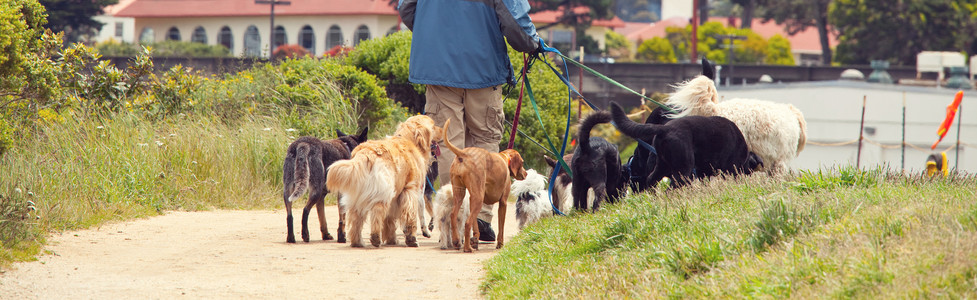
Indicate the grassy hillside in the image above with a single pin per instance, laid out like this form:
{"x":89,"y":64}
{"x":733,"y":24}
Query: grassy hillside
{"x":847,"y":233}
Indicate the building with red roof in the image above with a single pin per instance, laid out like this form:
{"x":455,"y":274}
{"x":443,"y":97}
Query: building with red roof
{"x":243,"y":26}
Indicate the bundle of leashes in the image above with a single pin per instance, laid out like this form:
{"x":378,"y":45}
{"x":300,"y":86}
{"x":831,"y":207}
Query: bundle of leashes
{"x":526,"y":89}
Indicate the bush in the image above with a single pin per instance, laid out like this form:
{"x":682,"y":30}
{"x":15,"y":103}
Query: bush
{"x":618,"y":46}
{"x":163,"y":49}
{"x":389,"y":59}
{"x":337,"y":51}
{"x":657,"y":49}
{"x":290,"y":51}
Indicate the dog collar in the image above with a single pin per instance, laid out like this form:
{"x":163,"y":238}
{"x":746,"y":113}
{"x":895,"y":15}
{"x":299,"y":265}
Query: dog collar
{"x":348,"y":148}
{"x":505,"y":157}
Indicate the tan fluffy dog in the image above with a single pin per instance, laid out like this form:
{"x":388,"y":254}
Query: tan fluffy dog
{"x":385,"y":179}
{"x":486,"y":177}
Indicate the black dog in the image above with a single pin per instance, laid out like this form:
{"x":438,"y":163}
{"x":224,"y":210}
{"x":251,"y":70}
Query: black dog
{"x":596,"y":164}
{"x":305,"y":169}
{"x":690,"y":147}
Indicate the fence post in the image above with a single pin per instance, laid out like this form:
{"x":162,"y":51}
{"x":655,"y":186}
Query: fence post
{"x":903,"y":165}
{"x":861,"y":130}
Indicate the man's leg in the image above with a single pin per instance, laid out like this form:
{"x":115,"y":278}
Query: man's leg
{"x":445,"y":103}
{"x":483,"y":117}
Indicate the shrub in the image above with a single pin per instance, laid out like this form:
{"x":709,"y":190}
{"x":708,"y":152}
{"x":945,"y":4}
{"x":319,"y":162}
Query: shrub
{"x":337,"y":51}
{"x":657,"y":49}
{"x":389,"y":59}
{"x":290,"y":51}
{"x":163,"y":49}
{"x":618,"y":45}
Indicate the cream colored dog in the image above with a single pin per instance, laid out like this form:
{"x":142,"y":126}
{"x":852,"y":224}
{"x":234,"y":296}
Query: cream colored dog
{"x":385,"y":179}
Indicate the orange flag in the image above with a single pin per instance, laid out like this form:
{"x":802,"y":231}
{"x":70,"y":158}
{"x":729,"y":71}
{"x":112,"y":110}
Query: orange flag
{"x":951,"y":111}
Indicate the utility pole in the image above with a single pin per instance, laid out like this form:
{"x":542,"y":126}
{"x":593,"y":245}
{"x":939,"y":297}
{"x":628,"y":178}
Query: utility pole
{"x":729,"y":58}
{"x":271,"y":39}
{"x":695,"y":31}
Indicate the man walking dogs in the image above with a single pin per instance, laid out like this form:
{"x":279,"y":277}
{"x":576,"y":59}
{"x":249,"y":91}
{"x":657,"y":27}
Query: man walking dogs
{"x":459,"y":52}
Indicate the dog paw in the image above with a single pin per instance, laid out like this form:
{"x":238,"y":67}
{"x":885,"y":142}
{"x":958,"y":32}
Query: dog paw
{"x":474,"y":243}
{"x":290,"y":239}
{"x":426,"y":234}
{"x":305,"y":236}
{"x":326,"y":237}
{"x":468,"y":250}
{"x":431,"y":226}
{"x":375,"y":240}
{"x":498,"y":245}
{"x":411,"y":241}
{"x":356,"y":245}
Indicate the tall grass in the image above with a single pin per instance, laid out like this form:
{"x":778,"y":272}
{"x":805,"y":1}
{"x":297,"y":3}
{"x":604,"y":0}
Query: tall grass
{"x":838,"y":233}
{"x":85,"y":172}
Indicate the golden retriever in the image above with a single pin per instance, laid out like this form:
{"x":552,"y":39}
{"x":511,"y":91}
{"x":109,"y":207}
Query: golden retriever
{"x":385,"y":179}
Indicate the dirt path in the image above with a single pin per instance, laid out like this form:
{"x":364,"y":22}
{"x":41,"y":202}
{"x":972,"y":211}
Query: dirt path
{"x":240,"y":254}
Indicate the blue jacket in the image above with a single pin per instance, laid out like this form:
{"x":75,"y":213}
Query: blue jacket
{"x":461,"y":43}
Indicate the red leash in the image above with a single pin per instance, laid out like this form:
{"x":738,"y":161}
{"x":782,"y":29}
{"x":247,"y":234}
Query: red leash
{"x":522,"y":89}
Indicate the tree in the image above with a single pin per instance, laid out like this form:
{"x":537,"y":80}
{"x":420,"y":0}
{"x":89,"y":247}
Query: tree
{"x":657,"y":49}
{"x":799,"y":15}
{"x":617,"y":45}
{"x":635,"y":11}
{"x":898,"y":30}
{"x":579,"y":19}
{"x":74,"y":17}
{"x":752,"y":50}
{"x":747,"y":7}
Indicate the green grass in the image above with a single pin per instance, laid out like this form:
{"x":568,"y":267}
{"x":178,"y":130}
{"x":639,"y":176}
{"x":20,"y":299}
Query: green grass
{"x":823,"y":234}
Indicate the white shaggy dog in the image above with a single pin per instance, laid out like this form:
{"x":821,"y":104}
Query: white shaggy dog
{"x":532,"y":199}
{"x":774,"y":131}
{"x":442,"y":212}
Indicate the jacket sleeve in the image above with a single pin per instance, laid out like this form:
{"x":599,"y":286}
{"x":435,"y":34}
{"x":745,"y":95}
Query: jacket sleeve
{"x":516,"y":25}
{"x":406,"y":10}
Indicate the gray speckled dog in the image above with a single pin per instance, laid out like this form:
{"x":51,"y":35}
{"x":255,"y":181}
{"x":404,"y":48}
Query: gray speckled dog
{"x":305,"y":169}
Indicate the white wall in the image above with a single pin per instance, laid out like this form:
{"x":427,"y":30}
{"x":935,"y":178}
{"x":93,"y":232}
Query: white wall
{"x":108,"y":31}
{"x":833,"y":110}
{"x":676,"y":8}
{"x":378,"y":25}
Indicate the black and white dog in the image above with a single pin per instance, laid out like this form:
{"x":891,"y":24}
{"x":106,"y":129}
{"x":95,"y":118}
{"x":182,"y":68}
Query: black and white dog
{"x":305,"y":170}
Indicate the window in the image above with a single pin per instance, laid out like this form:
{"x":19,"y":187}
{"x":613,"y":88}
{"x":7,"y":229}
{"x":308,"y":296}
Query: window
{"x":226,"y":39}
{"x":307,"y":39}
{"x":334,"y":37}
{"x":199,"y":35}
{"x":362,"y":33}
{"x":173,"y":34}
{"x":252,"y":41}
{"x":147,"y":36}
{"x":280,"y":37}
{"x":119,"y":26}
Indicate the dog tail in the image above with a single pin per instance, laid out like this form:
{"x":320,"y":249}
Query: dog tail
{"x":803,"y":134}
{"x":630,"y":128}
{"x":300,"y":172}
{"x":697,"y":96}
{"x":447,"y":142}
{"x":344,"y":176}
{"x":583,"y":135}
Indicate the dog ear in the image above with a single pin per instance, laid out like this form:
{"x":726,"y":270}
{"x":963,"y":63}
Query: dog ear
{"x":708,"y":70}
{"x":549,"y":161}
{"x":516,"y":169}
{"x":361,"y":137}
{"x":339,"y":133}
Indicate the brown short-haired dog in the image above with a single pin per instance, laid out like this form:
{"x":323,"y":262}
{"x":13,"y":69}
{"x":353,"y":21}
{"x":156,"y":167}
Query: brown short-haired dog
{"x":486,"y":177}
